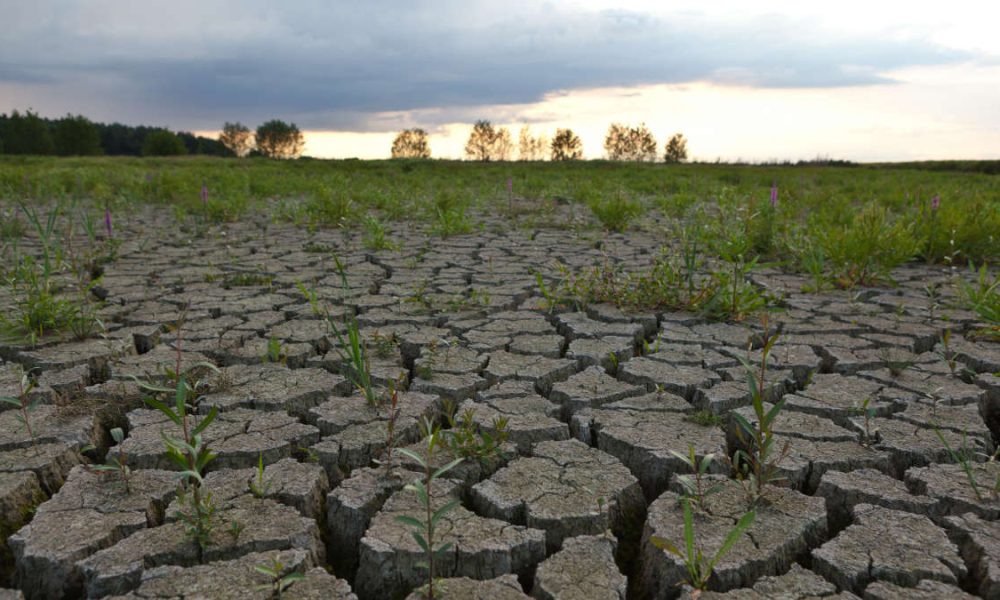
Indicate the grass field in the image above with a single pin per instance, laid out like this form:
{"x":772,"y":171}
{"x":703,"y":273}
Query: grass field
{"x":843,"y":226}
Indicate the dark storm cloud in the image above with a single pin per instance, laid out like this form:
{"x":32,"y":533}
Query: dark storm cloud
{"x":336,"y":66}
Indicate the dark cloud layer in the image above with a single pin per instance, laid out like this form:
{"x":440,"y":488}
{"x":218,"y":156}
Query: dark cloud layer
{"x":336,"y":65}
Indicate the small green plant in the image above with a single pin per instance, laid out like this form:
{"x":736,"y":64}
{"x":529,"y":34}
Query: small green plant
{"x":451,"y":221}
{"x":983,"y":296}
{"x":235,"y":530}
{"x":23,"y":402}
{"x":385,"y":345}
{"x":616,"y":211}
{"x":868,"y":412}
{"x":425,"y":370}
{"x":865,"y":250}
{"x":375,"y":237}
{"x":946,"y":353}
{"x":247,"y":280}
{"x":424,"y":529}
{"x":280,"y":580}
{"x":551,"y":302}
{"x":311,"y":297}
{"x":190,"y":453}
{"x":894,"y":362}
{"x":352,"y":349}
{"x":118,"y":464}
{"x":694,"y":484}
{"x":961,"y":457}
{"x":757,"y":463}
{"x":390,"y":430}
{"x":699,"y":566}
{"x":275,"y":351}
{"x":464,"y":439}
{"x":813,"y":262}
{"x":705,"y":418}
{"x":259,"y":487}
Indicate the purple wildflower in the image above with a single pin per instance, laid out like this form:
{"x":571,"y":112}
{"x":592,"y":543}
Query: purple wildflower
{"x":107,"y":220}
{"x":935,"y":202}
{"x":149,"y":178}
{"x":204,"y":194}
{"x":510,"y":185}
{"x":774,"y":195}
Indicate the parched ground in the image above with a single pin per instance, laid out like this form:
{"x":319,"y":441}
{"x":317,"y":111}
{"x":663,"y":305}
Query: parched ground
{"x":597,"y":401}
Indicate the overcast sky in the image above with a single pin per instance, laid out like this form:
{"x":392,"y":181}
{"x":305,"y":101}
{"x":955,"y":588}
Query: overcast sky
{"x":755,"y":80}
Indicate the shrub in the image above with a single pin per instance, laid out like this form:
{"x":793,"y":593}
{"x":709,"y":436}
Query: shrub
{"x":161,"y":142}
{"x":411,"y":143}
{"x":277,"y":139}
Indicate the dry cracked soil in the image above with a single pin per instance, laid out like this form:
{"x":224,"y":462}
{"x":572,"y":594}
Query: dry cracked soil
{"x":598,"y":401}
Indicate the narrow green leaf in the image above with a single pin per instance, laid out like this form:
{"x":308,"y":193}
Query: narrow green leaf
{"x":744,"y":425}
{"x":773,"y":413}
{"x":413,"y":456}
{"x":732,"y":537}
{"x":163,"y":408}
{"x":443,"y":511}
{"x":443,"y":548}
{"x":411,"y":521}
{"x":446,"y":468}
{"x":666,"y":545}
{"x":688,"y":527}
{"x":207,"y":420}
{"x":420,"y":540}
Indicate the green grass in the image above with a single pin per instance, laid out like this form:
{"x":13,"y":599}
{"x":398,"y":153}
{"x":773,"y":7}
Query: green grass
{"x":843,"y":226}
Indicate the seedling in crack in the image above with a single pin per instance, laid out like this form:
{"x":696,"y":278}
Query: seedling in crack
{"x":118,"y":464}
{"x":868,"y":412}
{"x":694,"y":484}
{"x":961,"y":456}
{"x":699,"y":566}
{"x":947,"y":354}
{"x":390,"y":430}
{"x":424,"y":529}
{"x":352,"y":348}
{"x":758,"y":461}
{"x":466,"y":442}
{"x":24,"y":405}
{"x":275,"y":351}
{"x":260,"y":486}
{"x":280,"y":580}
{"x":190,"y":452}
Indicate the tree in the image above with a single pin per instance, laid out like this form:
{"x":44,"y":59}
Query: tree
{"x":530,"y":147}
{"x":161,"y":142}
{"x":677,"y":149}
{"x":236,"y":137}
{"x":488,"y":143}
{"x":27,"y":133}
{"x":277,"y":139}
{"x":630,"y":143}
{"x":76,"y":136}
{"x":411,"y":143}
{"x":566,"y":145}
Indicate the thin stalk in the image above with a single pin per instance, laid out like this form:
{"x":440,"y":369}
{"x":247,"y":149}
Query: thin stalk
{"x":430,"y":534}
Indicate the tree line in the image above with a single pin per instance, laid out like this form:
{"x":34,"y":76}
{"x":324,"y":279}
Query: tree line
{"x":490,"y":143}
{"x":76,"y":135}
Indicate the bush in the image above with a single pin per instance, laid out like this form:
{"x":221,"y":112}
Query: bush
{"x":566,"y":145}
{"x":487,"y":143}
{"x":277,"y":139}
{"x":161,"y":142}
{"x":411,"y":143}
{"x":630,"y":143}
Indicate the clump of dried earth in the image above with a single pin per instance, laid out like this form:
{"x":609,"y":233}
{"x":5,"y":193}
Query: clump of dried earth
{"x":597,"y":402}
